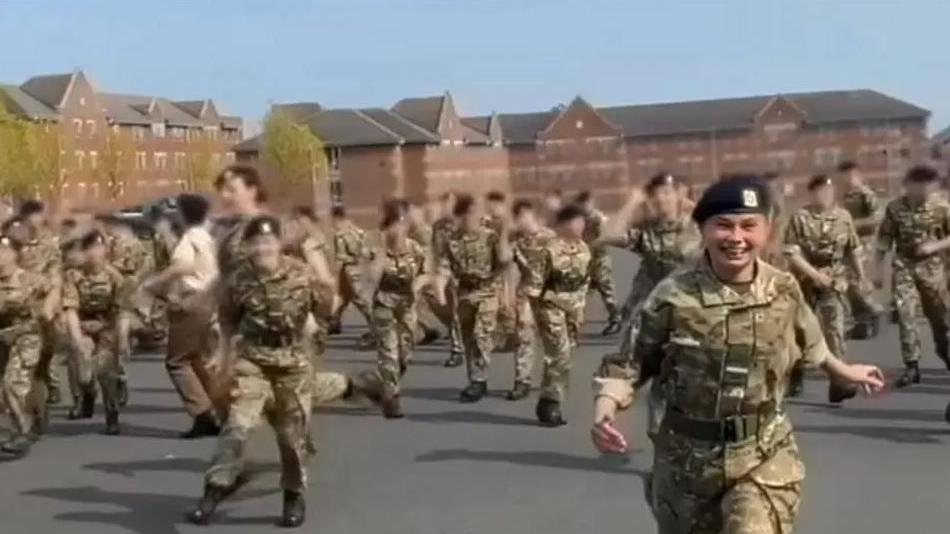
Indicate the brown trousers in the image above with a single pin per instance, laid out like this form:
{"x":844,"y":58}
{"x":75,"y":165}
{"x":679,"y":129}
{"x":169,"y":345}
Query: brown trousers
{"x":191,"y":341}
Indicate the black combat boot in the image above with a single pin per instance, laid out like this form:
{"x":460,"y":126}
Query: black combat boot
{"x":946,"y":413}
{"x":838,"y":393}
{"x":613,"y":325}
{"x":202,"y":513}
{"x":53,"y":397}
{"x":429,"y":337}
{"x":334,"y":328}
{"x":521,"y":390}
{"x":474,"y":392}
{"x":943,"y":352}
{"x":549,"y":413}
{"x":112,"y":423}
{"x":874,"y":326}
{"x":911,"y":375}
{"x":88,"y":405}
{"x":18,"y":446}
{"x":391,"y":407}
{"x":796,"y":382}
{"x":455,"y":360}
{"x":295,"y":510}
{"x":205,"y":425}
{"x":403,"y":367}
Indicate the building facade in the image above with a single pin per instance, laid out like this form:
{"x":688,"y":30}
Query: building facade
{"x":422,"y":147}
{"x":119,"y":149}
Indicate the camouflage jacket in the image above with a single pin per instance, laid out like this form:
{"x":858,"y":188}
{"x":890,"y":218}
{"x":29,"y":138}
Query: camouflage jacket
{"x":231,"y":250}
{"x":400,"y":270}
{"x":129,"y":256}
{"x":529,"y":255}
{"x":94,"y":294}
{"x":349,"y":244}
{"x":906,"y":226}
{"x":21,"y":296}
{"x":442,"y":231}
{"x":564,"y":274}
{"x":472,"y":258}
{"x":825,"y":240}
{"x":423,"y":235}
{"x":594,"y":228}
{"x":42,"y":256}
{"x":862,"y":203}
{"x":269,"y":310}
{"x":663,"y":246}
{"x":723,"y":350}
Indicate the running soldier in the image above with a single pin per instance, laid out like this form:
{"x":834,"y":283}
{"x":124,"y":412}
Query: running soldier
{"x":865,"y":208}
{"x":601,"y":270}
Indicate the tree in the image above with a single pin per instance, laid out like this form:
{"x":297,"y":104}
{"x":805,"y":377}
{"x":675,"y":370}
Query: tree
{"x":29,"y":156}
{"x":201,"y":164}
{"x":116,"y":163}
{"x":293,"y":150}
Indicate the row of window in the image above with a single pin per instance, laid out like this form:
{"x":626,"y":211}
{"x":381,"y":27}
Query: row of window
{"x":159,"y":130}
{"x":159,"y":160}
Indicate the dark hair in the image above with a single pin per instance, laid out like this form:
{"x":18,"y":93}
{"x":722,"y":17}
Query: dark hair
{"x":521,"y":206}
{"x":68,"y":223}
{"x":818,"y":180}
{"x":338,"y":212}
{"x":847,"y":165}
{"x":31,"y":207}
{"x":922,"y":173}
{"x":583,"y":197}
{"x":91,"y":239}
{"x":248,"y":175}
{"x":193,"y":208}
{"x":463,"y":205}
{"x":495,"y":196}
{"x":261,"y":225}
{"x":394,"y":210}
{"x":568,"y":213}
{"x":660,"y":179}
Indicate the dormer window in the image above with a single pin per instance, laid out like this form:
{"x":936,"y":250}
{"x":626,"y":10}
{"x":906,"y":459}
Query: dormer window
{"x":579,"y":125}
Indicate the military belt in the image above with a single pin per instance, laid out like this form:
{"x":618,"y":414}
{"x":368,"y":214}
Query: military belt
{"x":732,"y":429}
{"x":268,"y":339}
{"x":474,"y":284}
{"x":93,"y":316}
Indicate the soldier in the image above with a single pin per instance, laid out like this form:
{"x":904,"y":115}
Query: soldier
{"x":73,"y":259}
{"x":562,"y":286}
{"x":442,"y":230}
{"x":553,"y":202}
{"x":497,"y":211}
{"x":242,"y":196}
{"x":917,"y":226}
{"x":428,"y":307}
{"x":92,"y":301}
{"x":821,"y":245}
{"x":725,"y":459}
{"x":23,"y":297}
{"x":187,"y":285}
{"x":267,"y":301}
{"x":529,"y":243}
{"x":865,"y":208}
{"x":601,"y":271}
{"x":476,"y":257}
{"x":398,"y":273}
{"x":349,"y":249}
{"x":39,"y":254}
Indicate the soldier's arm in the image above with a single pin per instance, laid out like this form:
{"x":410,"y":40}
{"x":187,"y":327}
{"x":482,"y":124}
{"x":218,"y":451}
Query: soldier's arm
{"x":70,"y":303}
{"x":885,"y":235}
{"x":620,"y":376}
{"x":616,"y":229}
{"x":852,"y":250}
{"x":503,"y":254}
{"x":793,"y":252}
{"x":939,"y":245}
{"x":872,"y":205}
{"x":317,"y":259}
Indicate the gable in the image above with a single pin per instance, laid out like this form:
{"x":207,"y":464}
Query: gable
{"x":780,"y":110}
{"x":579,"y":120}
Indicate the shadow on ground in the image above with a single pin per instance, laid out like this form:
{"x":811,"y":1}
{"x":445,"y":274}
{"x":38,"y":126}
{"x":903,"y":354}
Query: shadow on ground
{"x":617,"y":465}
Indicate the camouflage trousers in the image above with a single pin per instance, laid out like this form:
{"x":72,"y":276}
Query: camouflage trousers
{"x":693,"y":488}
{"x":921,"y":284}
{"x":96,"y":360}
{"x":19,"y":361}
{"x":351,"y":292}
{"x":284,"y":396}
{"x":602,"y":279}
{"x":829,"y":307}
{"x":526,"y":329}
{"x":554,"y":325}
{"x":478,"y":319}
{"x":446,"y":313}
{"x":394,"y":328}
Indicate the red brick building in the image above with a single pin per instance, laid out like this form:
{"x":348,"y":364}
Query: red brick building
{"x":120,"y":149}
{"x":422,"y":147}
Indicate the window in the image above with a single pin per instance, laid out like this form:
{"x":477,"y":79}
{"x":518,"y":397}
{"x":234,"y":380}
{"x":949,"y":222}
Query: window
{"x":158,"y":130}
{"x":138,"y":132}
{"x":215,"y":160}
{"x":115,"y":128}
{"x":212,"y":133}
{"x":180,"y":160}
{"x":177,"y":132}
{"x":77,"y":125}
{"x":93,"y":159}
{"x":160,"y":159}
{"x":91,"y":127}
{"x":229,"y":157}
{"x":80,"y":159}
{"x":141,"y":161}
{"x":827,"y":157}
{"x":82,"y":101}
{"x":336,"y":191}
{"x":333,"y":159}
{"x":579,"y":124}
{"x":774,"y":132}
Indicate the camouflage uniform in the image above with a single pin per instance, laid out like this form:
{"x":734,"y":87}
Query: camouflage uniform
{"x":562,"y":284}
{"x":349,"y":247}
{"x":474,"y":263}
{"x":97,"y":297}
{"x":41,"y":256}
{"x":601,"y":271}
{"x":530,"y":253}
{"x":316,"y":244}
{"x":428,"y":307}
{"x":273,"y":372}
{"x":442,"y":231}
{"x":725,"y":459}
{"x":21,"y":293}
{"x":862,"y":203}
{"x":917,"y":280}
{"x":394,"y":313}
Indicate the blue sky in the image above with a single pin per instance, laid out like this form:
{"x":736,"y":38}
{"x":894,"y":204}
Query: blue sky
{"x":493,"y":55}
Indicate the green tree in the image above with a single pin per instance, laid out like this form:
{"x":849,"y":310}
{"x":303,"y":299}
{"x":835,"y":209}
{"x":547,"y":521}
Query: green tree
{"x":29,"y":156}
{"x":201,"y":164}
{"x":293,"y":150}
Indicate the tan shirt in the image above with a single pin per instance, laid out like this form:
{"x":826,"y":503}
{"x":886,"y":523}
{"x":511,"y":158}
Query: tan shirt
{"x":195,"y":252}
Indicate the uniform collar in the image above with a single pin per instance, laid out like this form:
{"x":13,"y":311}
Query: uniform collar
{"x":714,"y":292}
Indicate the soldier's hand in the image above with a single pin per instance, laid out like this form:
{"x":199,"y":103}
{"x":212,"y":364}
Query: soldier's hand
{"x":926,"y":249}
{"x":869,"y":377}
{"x":608,"y":439}
{"x":824,"y":281}
{"x":635,"y":197}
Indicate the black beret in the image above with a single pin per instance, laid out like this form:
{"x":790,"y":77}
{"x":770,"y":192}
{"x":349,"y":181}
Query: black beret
{"x":30,"y":207}
{"x":262,"y":225}
{"x":92,"y":239}
{"x":664,"y":178}
{"x":733,"y":194}
{"x":570,"y":212}
{"x":463,"y":205}
{"x":818,"y":180}
{"x":922,"y":174}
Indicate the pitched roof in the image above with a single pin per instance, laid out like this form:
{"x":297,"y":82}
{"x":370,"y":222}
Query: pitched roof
{"x":298,"y":111}
{"x":349,"y":127}
{"x":252,"y":144}
{"x":126,"y":109}
{"x":22,"y":103}
{"x":231,"y":122}
{"x":191,"y":107}
{"x":49,"y":89}
{"x":517,"y":128}
{"x":408,"y":131}
{"x":425,"y":111}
